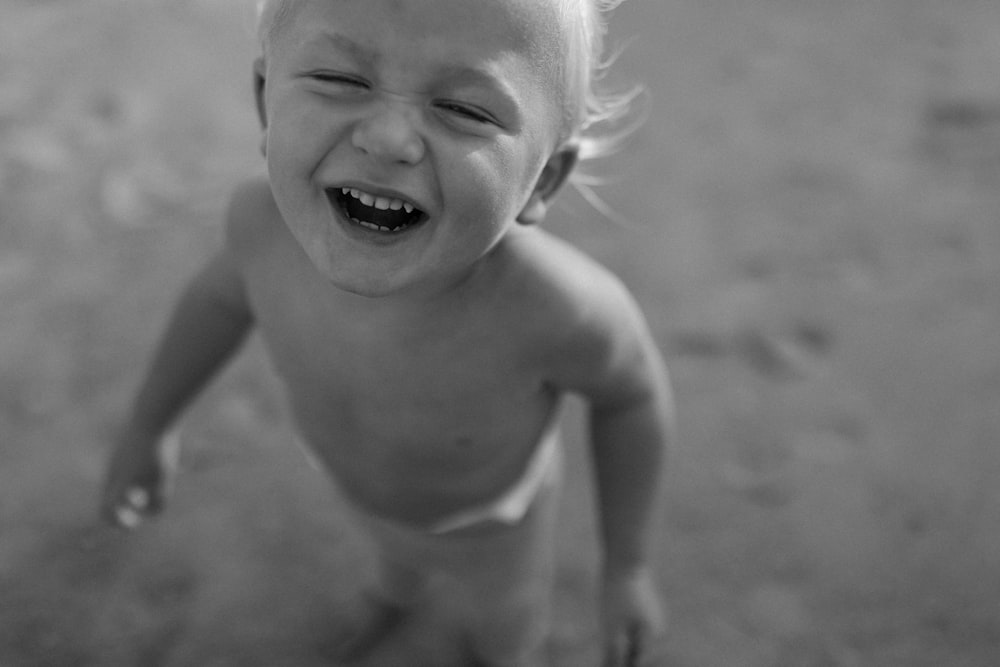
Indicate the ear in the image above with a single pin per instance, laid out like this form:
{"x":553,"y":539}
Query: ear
{"x":554,"y":174}
{"x":259,"y":82}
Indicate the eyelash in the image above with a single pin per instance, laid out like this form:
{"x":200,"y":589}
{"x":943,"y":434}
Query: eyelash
{"x":470,"y":113}
{"x":341,"y":79}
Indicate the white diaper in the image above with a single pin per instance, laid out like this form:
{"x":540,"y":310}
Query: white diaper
{"x":514,"y":503}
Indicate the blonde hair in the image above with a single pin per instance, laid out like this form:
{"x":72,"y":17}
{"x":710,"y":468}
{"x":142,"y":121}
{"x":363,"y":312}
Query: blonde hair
{"x":597,"y":120}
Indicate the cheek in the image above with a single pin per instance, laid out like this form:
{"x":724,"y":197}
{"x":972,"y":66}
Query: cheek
{"x":499,"y":181}
{"x":291,"y":160}
{"x":297,"y":142}
{"x":298,"y":127}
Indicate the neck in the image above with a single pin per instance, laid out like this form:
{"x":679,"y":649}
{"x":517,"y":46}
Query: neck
{"x":418,"y":305}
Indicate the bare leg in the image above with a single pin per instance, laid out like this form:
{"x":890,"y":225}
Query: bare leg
{"x":533,"y":658}
{"x":399,"y":584}
{"x":509,"y":585}
{"x":386,"y":610}
{"x":515,"y":639}
{"x":510,"y":605}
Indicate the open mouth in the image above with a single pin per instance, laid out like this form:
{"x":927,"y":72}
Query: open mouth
{"x":379,"y":214}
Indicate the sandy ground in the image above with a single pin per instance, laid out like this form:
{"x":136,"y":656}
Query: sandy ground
{"x":813,"y":231}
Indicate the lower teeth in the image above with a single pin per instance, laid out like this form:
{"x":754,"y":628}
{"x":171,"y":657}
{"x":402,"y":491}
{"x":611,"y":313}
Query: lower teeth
{"x":378,"y":228}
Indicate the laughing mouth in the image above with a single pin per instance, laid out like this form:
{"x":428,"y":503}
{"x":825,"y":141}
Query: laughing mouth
{"x":380,"y":214}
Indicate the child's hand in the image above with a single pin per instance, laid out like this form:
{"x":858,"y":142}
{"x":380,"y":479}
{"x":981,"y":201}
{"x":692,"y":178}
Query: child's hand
{"x":633,"y":618}
{"x":138,"y":478}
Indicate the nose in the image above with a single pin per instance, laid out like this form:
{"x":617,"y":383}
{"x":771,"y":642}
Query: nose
{"x":389,"y":133}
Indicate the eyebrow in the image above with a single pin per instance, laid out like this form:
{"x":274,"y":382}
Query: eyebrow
{"x":347,"y":45}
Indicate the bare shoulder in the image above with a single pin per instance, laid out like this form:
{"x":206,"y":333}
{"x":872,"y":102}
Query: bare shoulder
{"x":250,"y":216}
{"x":569,"y":283}
{"x":581,"y":314}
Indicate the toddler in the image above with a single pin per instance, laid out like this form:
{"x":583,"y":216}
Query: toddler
{"x":425,"y":328}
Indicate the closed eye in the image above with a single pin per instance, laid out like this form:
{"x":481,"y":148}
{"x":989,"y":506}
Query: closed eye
{"x":336,"y":78}
{"x":467,"y":112}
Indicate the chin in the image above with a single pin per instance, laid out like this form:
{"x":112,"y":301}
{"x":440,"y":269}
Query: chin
{"x":365,"y":291}
{"x":367,"y":287}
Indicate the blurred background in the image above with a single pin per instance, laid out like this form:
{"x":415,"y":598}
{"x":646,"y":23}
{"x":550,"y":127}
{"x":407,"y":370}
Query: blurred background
{"x":810,"y":217}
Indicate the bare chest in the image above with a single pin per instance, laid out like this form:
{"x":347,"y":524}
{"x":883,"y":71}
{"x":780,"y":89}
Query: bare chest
{"x":458,"y":390}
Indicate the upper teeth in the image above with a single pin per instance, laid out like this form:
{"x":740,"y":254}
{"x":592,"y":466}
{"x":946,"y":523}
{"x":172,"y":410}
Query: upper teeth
{"x":381,"y":203}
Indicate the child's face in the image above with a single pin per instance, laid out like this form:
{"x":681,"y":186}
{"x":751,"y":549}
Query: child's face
{"x":403,"y":137}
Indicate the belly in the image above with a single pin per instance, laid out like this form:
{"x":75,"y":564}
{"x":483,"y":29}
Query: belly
{"x":412,"y":425}
{"x":419,"y":468}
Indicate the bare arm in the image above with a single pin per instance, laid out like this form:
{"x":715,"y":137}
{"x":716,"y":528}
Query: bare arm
{"x":615,"y":364}
{"x":209,"y":323}
{"x":630,"y":436}
{"x":631,"y":428}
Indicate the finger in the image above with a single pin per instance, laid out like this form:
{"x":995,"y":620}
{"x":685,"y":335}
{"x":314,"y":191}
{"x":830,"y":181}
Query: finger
{"x":130,"y":509}
{"x":111,"y":501}
{"x":127,"y":517}
{"x":137,"y":498}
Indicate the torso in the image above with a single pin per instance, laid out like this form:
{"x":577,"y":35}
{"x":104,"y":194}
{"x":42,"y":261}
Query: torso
{"x":416,"y":421}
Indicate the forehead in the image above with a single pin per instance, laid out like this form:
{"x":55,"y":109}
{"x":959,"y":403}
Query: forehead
{"x":448,"y":30}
